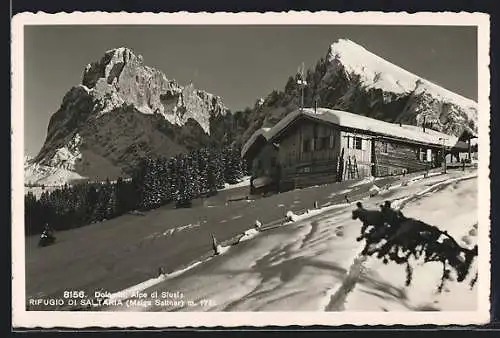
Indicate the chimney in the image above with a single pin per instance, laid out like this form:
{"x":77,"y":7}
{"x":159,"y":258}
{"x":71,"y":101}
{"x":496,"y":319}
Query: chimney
{"x":315,"y":106}
{"x":423,"y":125}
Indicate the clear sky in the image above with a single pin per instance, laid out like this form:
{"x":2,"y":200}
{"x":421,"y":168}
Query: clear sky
{"x":238,"y":63}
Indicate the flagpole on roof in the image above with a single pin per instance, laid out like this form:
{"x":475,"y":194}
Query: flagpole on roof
{"x":302,"y":83}
{"x":302,"y":79}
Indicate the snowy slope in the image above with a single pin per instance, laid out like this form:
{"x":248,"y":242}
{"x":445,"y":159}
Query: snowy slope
{"x":37,"y":174}
{"x":313,"y":264}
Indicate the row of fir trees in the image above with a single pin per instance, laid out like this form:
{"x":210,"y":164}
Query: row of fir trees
{"x":156,"y":181}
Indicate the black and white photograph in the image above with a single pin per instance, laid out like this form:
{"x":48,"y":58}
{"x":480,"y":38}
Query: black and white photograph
{"x":250,"y":169}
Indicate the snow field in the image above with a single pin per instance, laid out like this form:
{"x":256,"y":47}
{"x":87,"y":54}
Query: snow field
{"x":312,"y":263}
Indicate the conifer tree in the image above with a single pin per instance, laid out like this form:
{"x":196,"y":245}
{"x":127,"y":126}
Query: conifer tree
{"x":232,"y":161}
{"x":183,"y":189}
{"x":112,"y":200}
{"x":31,"y":214}
{"x":102,"y":201}
{"x":92,"y":202}
{"x":202,"y":162}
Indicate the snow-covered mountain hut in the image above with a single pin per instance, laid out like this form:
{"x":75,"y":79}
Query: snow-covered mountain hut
{"x":317,"y":146}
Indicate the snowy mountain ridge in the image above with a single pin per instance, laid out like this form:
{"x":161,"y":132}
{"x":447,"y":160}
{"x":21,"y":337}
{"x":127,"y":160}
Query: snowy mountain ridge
{"x":376,"y":72}
{"x":353,"y":79}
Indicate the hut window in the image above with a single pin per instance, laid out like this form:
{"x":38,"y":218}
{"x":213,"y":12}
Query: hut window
{"x":422,"y":154}
{"x":306,"y":145}
{"x":358,"y":143}
{"x":384,"y":147}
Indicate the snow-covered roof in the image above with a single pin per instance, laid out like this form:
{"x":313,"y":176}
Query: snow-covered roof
{"x":363,"y":123}
{"x":253,"y":138}
{"x":357,"y":122}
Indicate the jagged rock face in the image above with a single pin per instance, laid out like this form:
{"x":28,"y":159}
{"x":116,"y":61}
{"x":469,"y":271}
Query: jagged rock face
{"x":120,"y":76}
{"x":353,"y":79}
{"x":123,"y":110}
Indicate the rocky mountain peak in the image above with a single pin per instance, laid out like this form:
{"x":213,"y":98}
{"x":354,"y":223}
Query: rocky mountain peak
{"x":120,"y":77}
{"x":109,"y":66}
{"x":123,"y":110}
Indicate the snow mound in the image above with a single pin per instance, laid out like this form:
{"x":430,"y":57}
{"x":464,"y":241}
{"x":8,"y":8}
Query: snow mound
{"x":222,"y":249}
{"x":249,"y":234}
{"x":244,"y":182}
{"x":291,"y":217}
{"x":258,"y":224}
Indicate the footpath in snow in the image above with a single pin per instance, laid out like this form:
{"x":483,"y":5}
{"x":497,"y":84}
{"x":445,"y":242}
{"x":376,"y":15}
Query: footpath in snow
{"x":312,"y":263}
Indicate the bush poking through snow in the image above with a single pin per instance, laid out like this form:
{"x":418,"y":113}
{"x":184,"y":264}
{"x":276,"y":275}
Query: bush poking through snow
{"x":409,"y":274}
{"x":473,"y":281}
{"x":395,"y":237}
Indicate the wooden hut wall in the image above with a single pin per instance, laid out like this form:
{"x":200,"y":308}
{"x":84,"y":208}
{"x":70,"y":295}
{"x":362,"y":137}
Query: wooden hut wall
{"x":308,"y":153}
{"x":394,"y":157}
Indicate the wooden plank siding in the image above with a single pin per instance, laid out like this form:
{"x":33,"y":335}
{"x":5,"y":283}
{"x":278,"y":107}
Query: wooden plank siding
{"x":308,"y":154}
{"x":392,"y":158}
{"x":264,"y":164}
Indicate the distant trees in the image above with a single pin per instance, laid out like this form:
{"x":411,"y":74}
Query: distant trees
{"x":155,"y":182}
{"x":187,"y":176}
{"x":78,"y":205}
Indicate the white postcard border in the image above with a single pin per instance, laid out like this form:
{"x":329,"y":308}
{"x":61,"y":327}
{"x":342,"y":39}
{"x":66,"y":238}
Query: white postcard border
{"x":32,"y":319}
